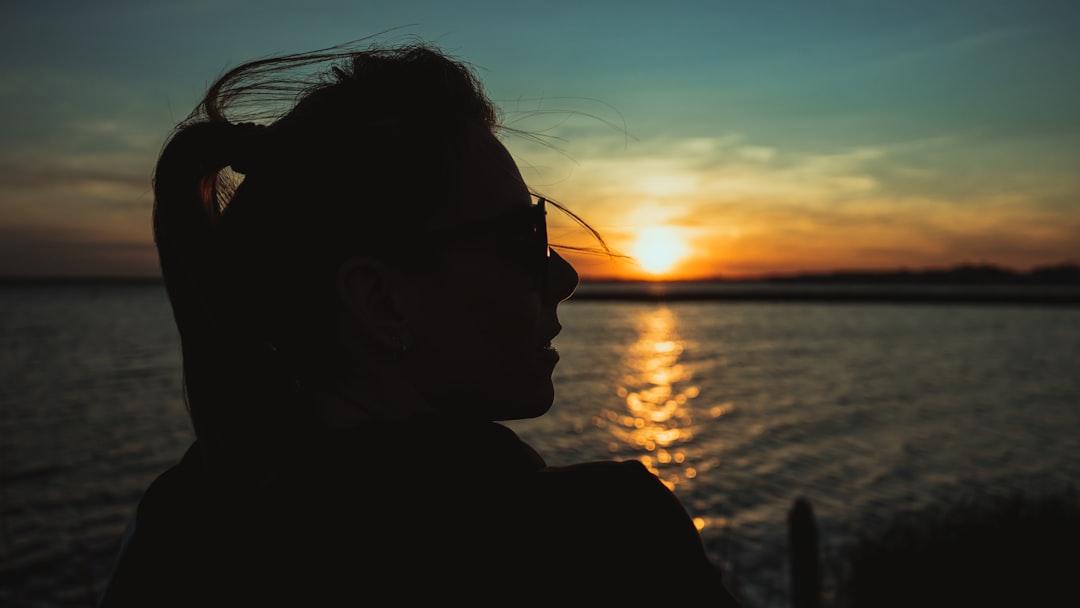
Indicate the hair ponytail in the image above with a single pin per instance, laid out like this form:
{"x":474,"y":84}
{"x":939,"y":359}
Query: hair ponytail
{"x":187,"y":206}
{"x":220,"y":358}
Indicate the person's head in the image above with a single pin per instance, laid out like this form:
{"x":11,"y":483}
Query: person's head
{"x":380,"y":248}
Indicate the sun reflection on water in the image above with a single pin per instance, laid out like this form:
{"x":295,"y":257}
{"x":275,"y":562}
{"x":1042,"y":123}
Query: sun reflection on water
{"x":654,"y":420}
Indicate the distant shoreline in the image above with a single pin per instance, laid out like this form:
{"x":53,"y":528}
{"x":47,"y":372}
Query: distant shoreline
{"x":776,"y":290}
{"x":1068,"y":295}
{"x":967,"y":284}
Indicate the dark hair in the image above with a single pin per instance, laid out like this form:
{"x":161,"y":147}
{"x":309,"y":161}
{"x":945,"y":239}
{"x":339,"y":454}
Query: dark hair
{"x":334,"y":164}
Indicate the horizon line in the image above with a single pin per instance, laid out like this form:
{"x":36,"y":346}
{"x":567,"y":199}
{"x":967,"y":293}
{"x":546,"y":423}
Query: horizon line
{"x":809,"y":274}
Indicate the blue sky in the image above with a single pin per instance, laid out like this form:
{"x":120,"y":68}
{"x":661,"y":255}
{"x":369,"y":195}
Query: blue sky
{"x":751,"y":136}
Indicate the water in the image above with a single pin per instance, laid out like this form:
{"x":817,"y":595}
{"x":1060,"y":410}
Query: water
{"x":868,"y":410}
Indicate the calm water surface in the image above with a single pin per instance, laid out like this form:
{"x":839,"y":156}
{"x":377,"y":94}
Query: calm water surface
{"x":867,"y":410}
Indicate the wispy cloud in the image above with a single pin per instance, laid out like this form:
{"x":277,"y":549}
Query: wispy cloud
{"x":863,"y":207}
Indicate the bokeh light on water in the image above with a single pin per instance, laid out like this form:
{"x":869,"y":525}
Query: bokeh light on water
{"x":655,"y":419}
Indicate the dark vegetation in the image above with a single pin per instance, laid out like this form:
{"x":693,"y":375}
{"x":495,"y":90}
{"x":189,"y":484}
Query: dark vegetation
{"x":1007,"y":551}
{"x":974,"y":274}
{"x":1047,"y":285}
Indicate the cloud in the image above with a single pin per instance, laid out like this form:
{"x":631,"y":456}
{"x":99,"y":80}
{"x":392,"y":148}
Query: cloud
{"x":757,"y":153}
{"x":864,"y":206}
{"x":68,"y":220}
{"x":51,"y":251}
{"x":51,"y":177}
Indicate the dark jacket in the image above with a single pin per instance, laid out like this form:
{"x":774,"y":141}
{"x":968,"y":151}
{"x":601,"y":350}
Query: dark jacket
{"x":392,"y":514}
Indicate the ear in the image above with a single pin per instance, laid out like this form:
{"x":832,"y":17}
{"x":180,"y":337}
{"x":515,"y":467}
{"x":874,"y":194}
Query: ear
{"x":373,"y":300}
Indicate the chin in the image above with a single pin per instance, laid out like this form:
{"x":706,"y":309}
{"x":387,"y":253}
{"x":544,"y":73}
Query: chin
{"x":530,"y":404}
{"x":534,"y":412}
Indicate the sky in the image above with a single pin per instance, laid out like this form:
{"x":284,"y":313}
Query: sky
{"x":702,"y":139}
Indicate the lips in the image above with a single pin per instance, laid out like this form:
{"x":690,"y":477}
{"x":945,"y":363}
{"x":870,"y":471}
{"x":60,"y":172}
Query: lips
{"x":546,"y":347}
{"x":548,"y":352}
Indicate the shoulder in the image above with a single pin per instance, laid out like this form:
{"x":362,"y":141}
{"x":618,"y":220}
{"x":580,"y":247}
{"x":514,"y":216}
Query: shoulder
{"x":161,"y":539}
{"x":602,"y":525}
{"x":619,"y":506}
{"x":617,"y":486}
{"x":630,"y":472}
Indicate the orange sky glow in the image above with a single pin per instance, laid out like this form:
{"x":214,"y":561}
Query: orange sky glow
{"x":701,"y":209}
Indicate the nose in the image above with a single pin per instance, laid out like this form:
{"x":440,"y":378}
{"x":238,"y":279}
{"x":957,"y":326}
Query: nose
{"x":562,"y":278}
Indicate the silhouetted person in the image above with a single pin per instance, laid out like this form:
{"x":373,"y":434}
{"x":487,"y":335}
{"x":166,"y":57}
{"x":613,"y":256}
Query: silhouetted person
{"x":355,"y":314}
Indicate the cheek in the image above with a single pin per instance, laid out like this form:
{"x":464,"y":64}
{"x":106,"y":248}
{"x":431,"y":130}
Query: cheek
{"x":480,"y":319}
{"x":517,"y":316}
{"x":496,"y":299}
{"x":504,"y":330}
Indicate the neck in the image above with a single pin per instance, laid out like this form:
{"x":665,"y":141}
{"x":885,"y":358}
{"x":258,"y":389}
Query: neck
{"x":345,"y":406}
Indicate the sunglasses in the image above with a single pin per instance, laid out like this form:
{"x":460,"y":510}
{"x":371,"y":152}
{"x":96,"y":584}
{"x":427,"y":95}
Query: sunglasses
{"x":520,"y":235}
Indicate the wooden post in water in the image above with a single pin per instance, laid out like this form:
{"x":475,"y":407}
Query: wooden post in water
{"x":803,"y":555}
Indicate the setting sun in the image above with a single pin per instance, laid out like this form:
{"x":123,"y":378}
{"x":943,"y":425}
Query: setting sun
{"x":658,"y":249}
